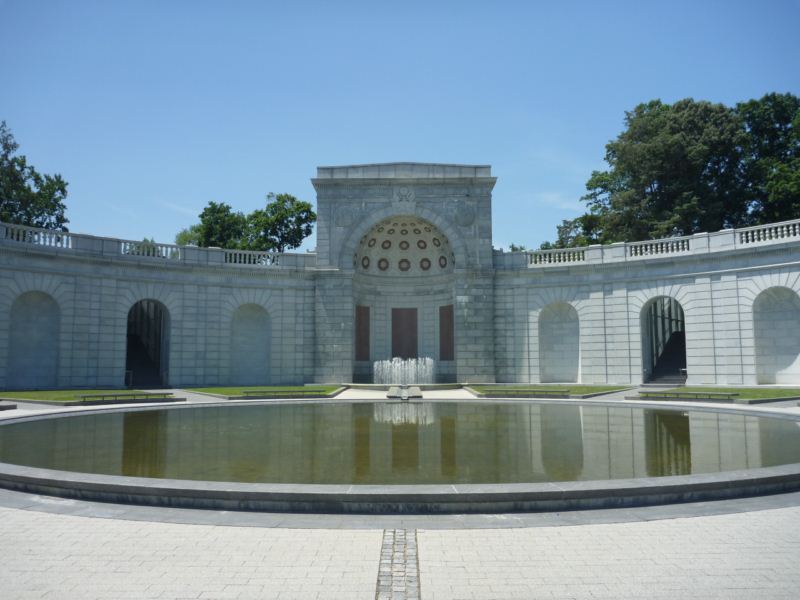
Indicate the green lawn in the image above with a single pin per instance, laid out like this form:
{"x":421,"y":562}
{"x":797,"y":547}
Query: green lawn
{"x":61,"y":395}
{"x":238,"y":391}
{"x":578,"y":390}
{"x":744,"y":393}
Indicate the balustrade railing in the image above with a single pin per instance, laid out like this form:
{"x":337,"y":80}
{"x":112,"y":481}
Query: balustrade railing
{"x":251,"y":258}
{"x":146,"y":249}
{"x":658,"y":247}
{"x":550,"y":257}
{"x":39,"y":237}
{"x":766,"y":233}
{"x":725,"y":240}
{"x":150,"y":249}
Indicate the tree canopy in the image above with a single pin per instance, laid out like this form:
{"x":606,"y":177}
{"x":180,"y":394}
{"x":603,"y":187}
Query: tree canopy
{"x":189,"y":236}
{"x":282,"y":224}
{"x":221,"y":227}
{"x":693,"y":166}
{"x":26,"y":196}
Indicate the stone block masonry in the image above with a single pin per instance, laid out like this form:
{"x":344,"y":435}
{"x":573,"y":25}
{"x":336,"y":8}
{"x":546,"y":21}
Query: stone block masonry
{"x":401,"y":238}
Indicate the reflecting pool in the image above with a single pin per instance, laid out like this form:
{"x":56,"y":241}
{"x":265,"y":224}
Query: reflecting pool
{"x":402,"y":443}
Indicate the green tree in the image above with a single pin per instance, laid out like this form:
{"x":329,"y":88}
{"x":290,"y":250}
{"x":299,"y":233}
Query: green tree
{"x":284,"y":223}
{"x":675,"y":170}
{"x":26,"y":196}
{"x":772,"y":156}
{"x":694,"y":166}
{"x":220,"y":227}
{"x":189,"y":236}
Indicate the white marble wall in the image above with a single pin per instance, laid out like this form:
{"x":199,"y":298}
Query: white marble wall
{"x":739,"y":290}
{"x":94,"y":297}
{"x":716,"y":291}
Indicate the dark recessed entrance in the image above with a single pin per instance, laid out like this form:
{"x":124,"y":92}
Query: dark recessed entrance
{"x":404,"y":333}
{"x":664,"y":341}
{"x":147,"y":357}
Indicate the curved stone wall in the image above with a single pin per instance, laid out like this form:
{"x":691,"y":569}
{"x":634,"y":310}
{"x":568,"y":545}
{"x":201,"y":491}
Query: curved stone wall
{"x":237,"y":317}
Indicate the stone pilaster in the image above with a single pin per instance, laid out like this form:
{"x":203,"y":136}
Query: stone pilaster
{"x":334,"y":326}
{"x":474,"y":326}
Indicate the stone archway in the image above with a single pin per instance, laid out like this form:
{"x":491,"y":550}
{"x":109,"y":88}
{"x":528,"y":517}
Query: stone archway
{"x":663,"y":331}
{"x":403,"y":290}
{"x":147,"y":348}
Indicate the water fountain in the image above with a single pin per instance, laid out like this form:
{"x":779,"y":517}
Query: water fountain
{"x":399,"y":371}
{"x":402,"y":373}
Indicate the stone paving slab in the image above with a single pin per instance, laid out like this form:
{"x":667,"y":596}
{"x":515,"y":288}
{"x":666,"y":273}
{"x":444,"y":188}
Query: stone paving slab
{"x":746,"y":555}
{"x":743,"y":555}
{"x":69,"y":557}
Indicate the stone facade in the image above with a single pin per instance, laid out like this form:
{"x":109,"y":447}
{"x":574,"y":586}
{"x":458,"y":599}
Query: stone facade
{"x":432,"y":287}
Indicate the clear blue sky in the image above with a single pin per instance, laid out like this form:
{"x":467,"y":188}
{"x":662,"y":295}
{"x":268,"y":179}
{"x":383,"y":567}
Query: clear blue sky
{"x":151,"y":109}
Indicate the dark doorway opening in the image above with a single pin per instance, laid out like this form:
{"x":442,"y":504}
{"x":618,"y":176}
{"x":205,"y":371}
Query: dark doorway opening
{"x":404,"y":333}
{"x":664,"y":342}
{"x":147,"y":357}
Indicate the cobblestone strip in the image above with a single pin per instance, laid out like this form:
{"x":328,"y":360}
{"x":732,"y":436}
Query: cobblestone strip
{"x":398,"y":571}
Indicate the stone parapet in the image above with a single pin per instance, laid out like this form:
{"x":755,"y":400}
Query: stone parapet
{"x":744,"y":239}
{"x":34,"y":238}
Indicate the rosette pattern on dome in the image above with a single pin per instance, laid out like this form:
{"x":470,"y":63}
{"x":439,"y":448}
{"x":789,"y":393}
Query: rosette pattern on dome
{"x":404,"y":245}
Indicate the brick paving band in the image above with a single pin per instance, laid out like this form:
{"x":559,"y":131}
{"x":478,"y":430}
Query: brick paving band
{"x":398,"y":571}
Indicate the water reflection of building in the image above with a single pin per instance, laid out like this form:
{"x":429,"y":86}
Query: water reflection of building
{"x":433,"y":443}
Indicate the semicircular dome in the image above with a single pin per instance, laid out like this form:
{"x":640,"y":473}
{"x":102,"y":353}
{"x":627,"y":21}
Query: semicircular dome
{"x":404,"y":245}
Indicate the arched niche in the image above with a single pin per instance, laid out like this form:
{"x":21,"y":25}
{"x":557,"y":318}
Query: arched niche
{"x":776,"y":325}
{"x":33,"y":341}
{"x":147,"y":348}
{"x":403,"y":294}
{"x":559,"y":344}
{"x":663,"y":331}
{"x":250,"y":344}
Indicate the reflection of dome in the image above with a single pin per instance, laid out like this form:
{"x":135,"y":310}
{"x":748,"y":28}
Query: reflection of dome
{"x":404,"y":245}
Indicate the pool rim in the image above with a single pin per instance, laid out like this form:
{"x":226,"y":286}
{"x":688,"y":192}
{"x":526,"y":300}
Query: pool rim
{"x":404,"y":499}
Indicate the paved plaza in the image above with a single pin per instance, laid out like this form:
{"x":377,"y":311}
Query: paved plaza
{"x":750,"y":554}
{"x":66,"y":549}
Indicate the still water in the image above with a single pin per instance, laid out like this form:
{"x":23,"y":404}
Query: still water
{"x":381,"y":443}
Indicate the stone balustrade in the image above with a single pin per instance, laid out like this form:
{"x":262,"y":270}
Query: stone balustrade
{"x":251,"y":258}
{"x":81,"y":244}
{"x":560,"y":256}
{"x":699,"y":243}
{"x":767,"y":233}
{"x":150,"y":249}
{"x":40,"y":237}
{"x":658,"y":247}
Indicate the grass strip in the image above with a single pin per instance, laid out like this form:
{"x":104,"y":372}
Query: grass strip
{"x":61,"y":395}
{"x":758,"y":393}
{"x":578,"y":390}
{"x":239,"y":391}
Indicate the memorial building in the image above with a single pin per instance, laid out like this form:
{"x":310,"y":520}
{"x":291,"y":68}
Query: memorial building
{"x":404,"y":267}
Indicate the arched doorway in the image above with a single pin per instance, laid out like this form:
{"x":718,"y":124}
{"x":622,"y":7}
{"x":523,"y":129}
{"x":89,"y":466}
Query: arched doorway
{"x":250,"y":341}
{"x":559,"y":344}
{"x":776,"y":325}
{"x":663,"y":327}
{"x":147,"y":356}
{"x":33,"y":341}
